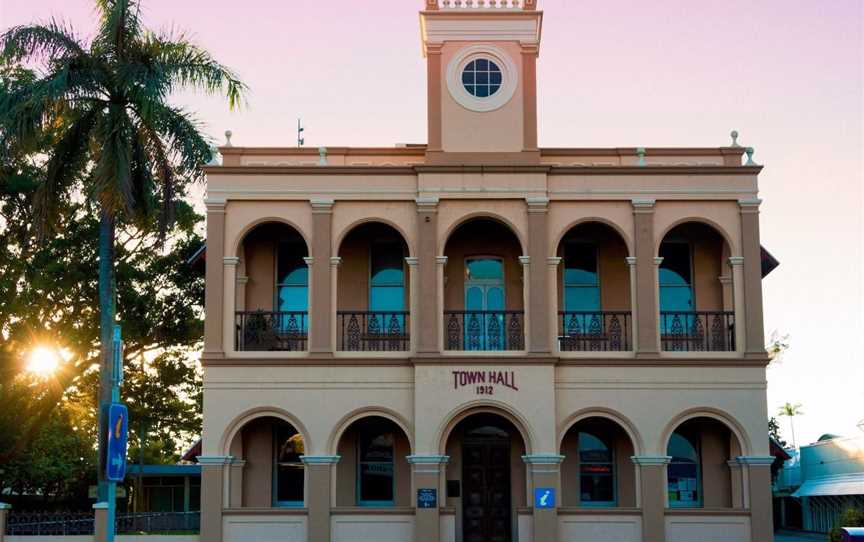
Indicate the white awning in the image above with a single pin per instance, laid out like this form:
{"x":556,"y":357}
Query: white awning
{"x":826,"y":486}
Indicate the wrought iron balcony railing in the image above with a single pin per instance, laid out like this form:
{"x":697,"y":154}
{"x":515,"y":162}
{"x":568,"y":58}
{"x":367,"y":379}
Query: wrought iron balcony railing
{"x":599,"y":331}
{"x":484,"y":330}
{"x":366,"y":331}
{"x":260,"y":331}
{"x":702,"y":331}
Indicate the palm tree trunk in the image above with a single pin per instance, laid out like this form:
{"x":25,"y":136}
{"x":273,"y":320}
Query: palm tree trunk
{"x":107,"y":295}
{"x":792,"y":425}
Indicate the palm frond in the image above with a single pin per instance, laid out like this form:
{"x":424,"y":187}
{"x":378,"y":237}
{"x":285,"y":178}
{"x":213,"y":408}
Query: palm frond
{"x":47,"y":41}
{"x":164,"y":170}
{"x":119,"y":26}
{"x":182,"y":135}
{"x":112,"y":183}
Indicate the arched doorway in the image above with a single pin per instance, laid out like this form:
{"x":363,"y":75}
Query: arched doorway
{"x":485,"y":477}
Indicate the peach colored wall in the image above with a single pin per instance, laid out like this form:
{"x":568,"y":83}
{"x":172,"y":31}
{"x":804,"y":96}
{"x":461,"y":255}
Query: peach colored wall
{"x":453,"y":213}
{"x":242,"y":216}
{"x":724,"y":216}
{"x":625,"y":470}
{"x":346,"y":470}
{"x":612,"y":265}
{"x":493,"y":131}
{"x":564,"y":215}
{"x":401,"y":216}
{"x":482,"y":238}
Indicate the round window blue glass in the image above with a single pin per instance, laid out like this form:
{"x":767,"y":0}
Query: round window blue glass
{"x":481,"y":78}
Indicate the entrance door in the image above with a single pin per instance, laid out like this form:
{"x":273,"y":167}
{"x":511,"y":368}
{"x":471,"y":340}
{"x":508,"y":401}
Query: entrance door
{"x":486,"y":483}
{"x":484,"y":304}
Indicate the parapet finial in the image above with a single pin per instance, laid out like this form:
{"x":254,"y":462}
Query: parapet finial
{"x":734,"y":135}
{"x":749,"y":152}
{"x":640,"y":152}
{"x":322,"y":156}
{"x":228,"y":135}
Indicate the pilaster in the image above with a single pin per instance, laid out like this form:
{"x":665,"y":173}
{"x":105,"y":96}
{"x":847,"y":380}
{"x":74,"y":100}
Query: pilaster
{"x":100,"y":522}
{"x":552,"y":263}
{"x":229,"y":296}
{"x":652,"y":492}
{"x":427,"y":318}
{"x":529,"y":96}
{"x":646,"y":279}
{"x":5,"y":508}
{"x":213,"y":297}
{"x":319,"y":474}
{"x":321,"y":295}
{"x":538,"y":286}
{"x":235,"y":483}
{"x":426,"y":471}
{"x":212,"y":495}
{"x":759,"y":489}
{"x":441,"y":264}
{"x":751,"y":250}
{"x":545,"y":473}
{"x":413,"y":293}
{"x":736,"y":263}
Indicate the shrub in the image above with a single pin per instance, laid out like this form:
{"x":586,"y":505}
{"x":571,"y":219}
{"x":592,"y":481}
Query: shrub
{"x":851,"y":517}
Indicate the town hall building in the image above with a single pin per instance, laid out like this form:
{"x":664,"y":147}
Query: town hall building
{"x":478,"y":339}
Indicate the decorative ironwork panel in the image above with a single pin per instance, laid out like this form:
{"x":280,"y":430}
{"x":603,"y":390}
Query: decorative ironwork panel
{"x":365,"y":331}
{"x":262,"y":331}
{"x":697,"y":331}
{"x":597,"y":331}
{"x":484,"y":331}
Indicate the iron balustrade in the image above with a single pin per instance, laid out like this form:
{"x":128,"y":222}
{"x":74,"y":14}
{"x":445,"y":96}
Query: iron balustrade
{"x":594,"y":331}
{"x":697,"y":331}
{"x":261,"y":331}
{"x":81,"y":523}
{"x":159,"y":522}
{"x":374,"y":331}
{"x":484,"y":330}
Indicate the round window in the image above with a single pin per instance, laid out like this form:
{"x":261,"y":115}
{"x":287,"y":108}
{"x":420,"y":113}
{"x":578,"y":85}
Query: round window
{"x":481,"y":78}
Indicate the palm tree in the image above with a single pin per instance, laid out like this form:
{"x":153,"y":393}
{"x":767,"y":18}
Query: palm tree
{"x":107,"y":103}
{"x":791,"y":411}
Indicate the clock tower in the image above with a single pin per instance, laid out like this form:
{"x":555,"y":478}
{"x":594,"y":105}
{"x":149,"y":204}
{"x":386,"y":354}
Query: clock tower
{"x":482,"y":80}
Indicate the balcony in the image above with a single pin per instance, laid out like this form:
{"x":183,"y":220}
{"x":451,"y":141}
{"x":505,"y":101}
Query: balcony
{"x":259,"y":331}
{"x":372,"y":293}
{"x":604,"y":331}
{"x":483,"y":289}
{"x":698,"y":331}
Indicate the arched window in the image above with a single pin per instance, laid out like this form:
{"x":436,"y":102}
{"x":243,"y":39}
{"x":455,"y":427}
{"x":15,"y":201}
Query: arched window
{"x":596,"y":471}
{"x":292,"y":286}
{"x":581,"y":279}
{"x":375,"y":468}
{"x":287,"y":467}
{"x":387,"y":283}
{"x":676,"y":280}
{"x":684,"y":472}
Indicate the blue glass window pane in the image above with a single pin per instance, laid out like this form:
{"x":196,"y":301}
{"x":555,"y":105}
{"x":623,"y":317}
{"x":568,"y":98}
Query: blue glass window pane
{"x":676,"y":299}
{"x":293,"y":298}
{"x":386,"y":298}
{"x":387,"y":264}
{"x":675,"y":269}
{"x":495,"y":299}
{"x":474,"y":299}
{"x":468,"y":78}
{"x":482,"y":78}
{"x":471,"y":67}
{"x":485,"y":269}
{"x":291,"y":268}
{"x":482,"y":64}
{"x":495,"y":78}
{"x":481,"y":91}
{"x":581,"y":298}
{"x":681,"y":449}
{"x":591,"y":448}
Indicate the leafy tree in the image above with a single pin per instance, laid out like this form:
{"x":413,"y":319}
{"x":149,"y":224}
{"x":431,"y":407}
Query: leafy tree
{"x":107,"y":103}
{"x":851,"y":517}
{"x":791,"y":411}
{"x":774,"y":432}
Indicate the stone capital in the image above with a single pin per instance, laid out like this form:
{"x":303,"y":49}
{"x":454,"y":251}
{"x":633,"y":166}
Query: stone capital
{"x":309,"y":260}
{"x":658,"y":260}
{"x":651,"y":460}
{"x":554,"y":261}
{"x":525,"y":260}
{"x":537,"y":205}
{"x":543,"y":459}
{"x":230,"y":260}
{"x":427,"y":205}
{"x":335,"y":261}
{"x":412,"y":261}
{"x":5,"y":506}
{"x":631,"y":260}
{"x":215,"y":205}
{"x":208,"y":460}
{"x":749,"y":205}
{"x":320,"y":459}
{"x":441,"y":260}
{"x":643,"y":205}
{"x":321,"y":206}
{"x":755,"y":460}
{"x":736,"y":260}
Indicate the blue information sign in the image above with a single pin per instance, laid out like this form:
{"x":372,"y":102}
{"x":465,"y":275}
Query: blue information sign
{"x":544,"y":497}
{"x":118,"y":424}
{"x":427,"y":498}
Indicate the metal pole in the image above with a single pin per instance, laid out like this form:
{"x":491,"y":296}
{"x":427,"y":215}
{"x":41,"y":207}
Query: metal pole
{"x":116,"y":379}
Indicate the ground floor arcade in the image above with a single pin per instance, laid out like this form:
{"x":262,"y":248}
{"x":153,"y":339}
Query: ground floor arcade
{"x":486,"y":451}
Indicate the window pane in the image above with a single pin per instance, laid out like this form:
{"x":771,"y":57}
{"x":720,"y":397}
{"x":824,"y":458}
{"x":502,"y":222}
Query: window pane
{"x":482,"y":64}
{"x":481,"y":91}
{"x":683,"y":472}
{"x":474,"y":299}
{"x":596,"y":488}
{"x":581,"y":298}
{"x":376,"y":447}
{"x":676,"y":299}
{"x":495,"y":299}
{"x":681,"y":449}
{"x":580,"y":264}
{"x":485,"y":269}
{"x":288,"y":447}
{"x":291,"y":268}
{"x":675,"y":268}
{"x":293,"y":298}
{"x":592,"y":449}
{"x":376,"y":482}
{"x":387,"y":298}
{"x":387,"y":265}
{"x":289,"y":483}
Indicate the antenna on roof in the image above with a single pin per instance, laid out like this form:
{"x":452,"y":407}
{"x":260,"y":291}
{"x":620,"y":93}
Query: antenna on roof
{"x":300,"y":129}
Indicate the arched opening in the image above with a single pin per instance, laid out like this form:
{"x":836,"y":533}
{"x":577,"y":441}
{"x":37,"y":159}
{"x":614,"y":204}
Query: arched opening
{"x":272,"y":290}
{"x":597,"y":471}
{"x":485,"y":476}
{"x":695,"y":290}
{"x":273,"y":474}
{"x":373,"y":470}
{"x":593,"y":290}
{"x":373,"y":290}
{"x":699,"y":475}
{"x":483,"y":288}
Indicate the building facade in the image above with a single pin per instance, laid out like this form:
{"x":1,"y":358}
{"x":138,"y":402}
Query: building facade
{"x":478,"y":339}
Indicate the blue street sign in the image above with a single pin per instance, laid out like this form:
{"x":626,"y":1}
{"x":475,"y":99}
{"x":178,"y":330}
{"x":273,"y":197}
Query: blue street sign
{"x":544,"y":497}
{"x":427,"y":498}
{"x":118,"y":423}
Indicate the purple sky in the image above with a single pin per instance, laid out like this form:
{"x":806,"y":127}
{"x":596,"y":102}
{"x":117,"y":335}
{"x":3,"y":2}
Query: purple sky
{"x":787,"y":74}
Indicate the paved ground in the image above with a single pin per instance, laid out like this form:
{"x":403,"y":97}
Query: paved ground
{"x":796,"y":537}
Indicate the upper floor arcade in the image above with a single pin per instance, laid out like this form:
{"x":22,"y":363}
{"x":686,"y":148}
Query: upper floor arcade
{"x":457,"y":277}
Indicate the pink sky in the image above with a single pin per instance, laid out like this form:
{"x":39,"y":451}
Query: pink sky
{"x":787,"y":74}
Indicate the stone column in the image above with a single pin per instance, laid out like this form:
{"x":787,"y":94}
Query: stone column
{"x":759,"y":489}
{"x":336,"y":328}
{"x":434,"y":76}
{"x":634,"y":313}
{"x":751,"y":251}
{"x":321,"y":303}
{"x":4,"y":512}
{"x":646,"y":322}
{"x":426,"y":471}
{"x":738,"y":302}
{"x":440,"y":325}
{"x":652,"y":491}
{"x":427,"y":319}
{"x":212,"y":495}
{"x":240,"y":293}
{"x":213,"y":322}
{"x":737,"y":479}
{"x":319,"y":473}
{"x":527,"y":295}
{"x":235,"y":483}
{"x":529,"y":96}
{"x":229,"y":264}
{"x":413,"y":292}
{"x":545,"y":473}
{"x":539,"y":332}
{"x":100,"y":522}
{"x":552,"y":263}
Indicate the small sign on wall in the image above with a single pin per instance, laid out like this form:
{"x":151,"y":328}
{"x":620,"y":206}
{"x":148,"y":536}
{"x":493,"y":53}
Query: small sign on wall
{"x":544,"y":497}
{"x":427,"y":497}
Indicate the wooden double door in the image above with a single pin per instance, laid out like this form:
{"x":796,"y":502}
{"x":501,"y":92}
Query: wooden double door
{"x":486,"y":502}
